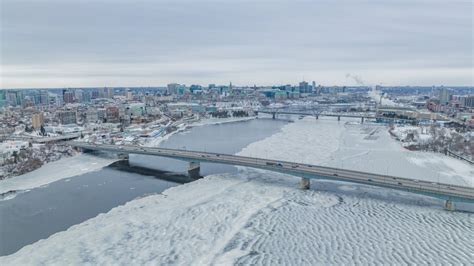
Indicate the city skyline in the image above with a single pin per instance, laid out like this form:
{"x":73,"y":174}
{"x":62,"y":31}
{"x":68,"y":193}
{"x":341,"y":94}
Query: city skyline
{"x":51,"y":44}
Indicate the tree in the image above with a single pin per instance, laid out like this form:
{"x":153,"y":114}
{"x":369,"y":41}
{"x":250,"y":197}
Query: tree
{"x":15,"y":157}
{"x":43,"y":131}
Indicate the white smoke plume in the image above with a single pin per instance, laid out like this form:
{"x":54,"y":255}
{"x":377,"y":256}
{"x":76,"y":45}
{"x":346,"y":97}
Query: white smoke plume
{"x":356,"y":78}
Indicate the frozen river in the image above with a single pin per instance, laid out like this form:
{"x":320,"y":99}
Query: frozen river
{"x":255,"y":217}
{"x":43,"y":211}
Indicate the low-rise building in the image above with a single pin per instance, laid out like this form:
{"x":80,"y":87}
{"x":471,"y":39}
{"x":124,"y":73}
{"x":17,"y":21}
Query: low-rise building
{"x":67,"y":117}
{"x":112,"y":114}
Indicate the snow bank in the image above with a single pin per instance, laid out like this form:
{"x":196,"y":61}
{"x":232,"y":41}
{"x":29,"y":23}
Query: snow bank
{"x":419,"y":134}
{"x":54,"y":171}
{"x":254,"y":217}
{"x":155,"y":142}
{"x":216,"y":121}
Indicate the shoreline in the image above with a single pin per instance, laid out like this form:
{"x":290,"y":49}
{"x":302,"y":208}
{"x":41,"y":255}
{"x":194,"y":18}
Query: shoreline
{"x":82,"y":163}
{"x":54,"y":171}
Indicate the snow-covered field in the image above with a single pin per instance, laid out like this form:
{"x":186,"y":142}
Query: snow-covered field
{"x":259,"y":217}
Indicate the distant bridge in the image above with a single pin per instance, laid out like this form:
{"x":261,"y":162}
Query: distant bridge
{"x":361,"y":115}
{"x":444,"y":191}
{"x":275,"y":112}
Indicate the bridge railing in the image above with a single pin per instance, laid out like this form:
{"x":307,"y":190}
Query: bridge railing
{"x":235,"y":159}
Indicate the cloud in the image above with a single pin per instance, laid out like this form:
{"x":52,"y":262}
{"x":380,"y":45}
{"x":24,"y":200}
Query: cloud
{"x":218,"y":41}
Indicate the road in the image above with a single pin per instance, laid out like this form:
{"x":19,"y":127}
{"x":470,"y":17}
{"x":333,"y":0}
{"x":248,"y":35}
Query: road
{"x":436,"y":189}
{"x":46,"y":139}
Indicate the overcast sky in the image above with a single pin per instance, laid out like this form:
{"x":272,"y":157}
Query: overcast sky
{"x":65,"y":43}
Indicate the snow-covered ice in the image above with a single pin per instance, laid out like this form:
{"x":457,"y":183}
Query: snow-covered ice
{"x":259,"y":217}
{"x":366,"y":147}
{"x":54,"y":171}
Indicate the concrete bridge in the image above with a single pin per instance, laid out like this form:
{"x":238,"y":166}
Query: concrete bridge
{"x":275,"y":112}
{"x":361,"y":115}
{"x":449,"y":193}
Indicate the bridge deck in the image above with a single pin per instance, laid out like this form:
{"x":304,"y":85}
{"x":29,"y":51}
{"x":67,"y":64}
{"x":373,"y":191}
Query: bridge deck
{"x":283,"y":112}
{"x":435,"y":189}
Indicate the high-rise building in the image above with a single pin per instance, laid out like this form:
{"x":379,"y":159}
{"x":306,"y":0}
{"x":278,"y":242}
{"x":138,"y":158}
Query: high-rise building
{"x":172,"y":88}
{"x":444,"y":96}
{"x":2,"y":98}
{"x":36,"y":98}
{"x":14,"y":98}
{"x":102,"y":93}
{"x":467,"y":101}
{"x":68,"y":96}
{"x":37,"y":120}
{"x":86,"y":96}
{"x":44,"y":97}
{"x":129,"y":95}
{"x":304,"y":87}
{"x":78,"y":96}
{"x":58,"y":100}
{"x":110,"y":92}
{"x":94,"y":94}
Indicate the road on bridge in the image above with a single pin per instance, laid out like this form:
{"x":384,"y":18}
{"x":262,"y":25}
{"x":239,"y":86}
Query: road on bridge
{"x":435,"y":189}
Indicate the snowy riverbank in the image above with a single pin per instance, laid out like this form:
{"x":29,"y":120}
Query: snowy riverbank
{"x":54,"y":171}
{"x":259,"y":217}
{"x":202,"y":122}
{"x":83,"y":163}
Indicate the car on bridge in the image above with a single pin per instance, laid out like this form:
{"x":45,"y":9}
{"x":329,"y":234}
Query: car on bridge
{"x":274,"y":164}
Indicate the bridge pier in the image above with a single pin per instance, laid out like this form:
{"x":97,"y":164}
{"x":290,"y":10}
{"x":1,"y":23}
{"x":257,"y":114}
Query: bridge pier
{"x":123,"y":156}
{"x":193,"y":170}
{"x":449,"y":205}
{"x":305,"y":183}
